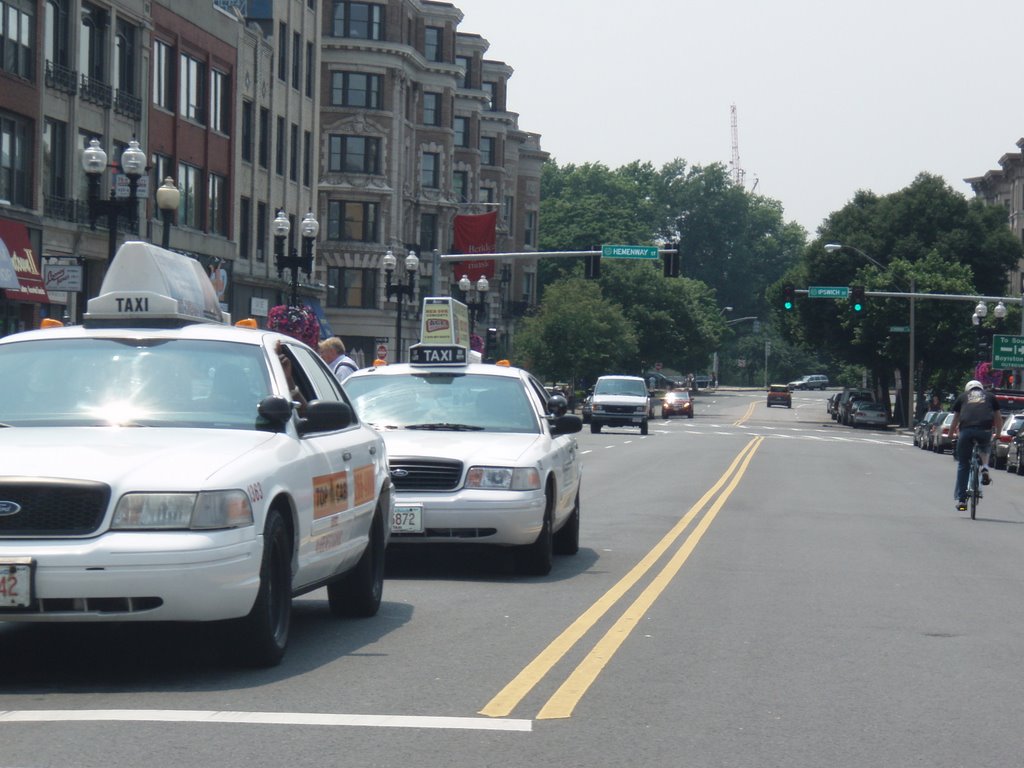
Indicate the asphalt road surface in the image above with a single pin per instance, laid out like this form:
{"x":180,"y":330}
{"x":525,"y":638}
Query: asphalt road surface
{"x":755,"y":587}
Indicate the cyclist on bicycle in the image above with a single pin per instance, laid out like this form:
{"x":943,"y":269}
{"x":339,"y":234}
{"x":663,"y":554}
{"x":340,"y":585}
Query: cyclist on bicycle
{"x":976,"y":416}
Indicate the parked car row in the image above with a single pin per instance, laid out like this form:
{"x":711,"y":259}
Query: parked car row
{"x":932,"y":433}
{"x":855,"y":407}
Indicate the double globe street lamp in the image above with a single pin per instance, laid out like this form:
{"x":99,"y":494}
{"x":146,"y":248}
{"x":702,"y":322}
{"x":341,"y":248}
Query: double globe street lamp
{"x":476,"y":308}
{"x":281,"y":228}
{"x":399,"y":290}
{"x":133,"y":165}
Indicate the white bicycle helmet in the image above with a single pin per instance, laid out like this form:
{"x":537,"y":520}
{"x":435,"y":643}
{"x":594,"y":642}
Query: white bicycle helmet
{"x":973,"y":384}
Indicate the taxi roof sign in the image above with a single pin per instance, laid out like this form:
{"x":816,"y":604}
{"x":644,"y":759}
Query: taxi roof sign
{"x":438,"y":354}
{"x":148,"y":285}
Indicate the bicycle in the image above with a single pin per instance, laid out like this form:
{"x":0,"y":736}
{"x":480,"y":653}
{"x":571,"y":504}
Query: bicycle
{"x":974,"y":480}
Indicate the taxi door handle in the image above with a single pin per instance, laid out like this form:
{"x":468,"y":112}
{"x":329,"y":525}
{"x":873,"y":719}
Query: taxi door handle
{"x":373,"y":450}
{"x":347,"y":456}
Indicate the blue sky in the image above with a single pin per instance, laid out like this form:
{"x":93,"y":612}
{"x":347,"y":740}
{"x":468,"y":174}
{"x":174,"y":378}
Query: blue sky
{"x":830,"y":97}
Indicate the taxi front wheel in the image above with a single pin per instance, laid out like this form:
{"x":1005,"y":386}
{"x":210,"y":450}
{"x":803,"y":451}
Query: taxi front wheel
{"x":262,"y":636}
{"x":536,"y":559}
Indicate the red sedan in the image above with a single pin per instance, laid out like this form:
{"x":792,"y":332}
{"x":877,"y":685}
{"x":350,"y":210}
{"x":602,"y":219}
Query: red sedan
{"x":677,"y":402}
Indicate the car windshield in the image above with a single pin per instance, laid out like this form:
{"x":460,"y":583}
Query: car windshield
{"x":443,"y":401}
{"x":779,"y":388}
{"x":620,"y":387}
{"x":133,"y":382}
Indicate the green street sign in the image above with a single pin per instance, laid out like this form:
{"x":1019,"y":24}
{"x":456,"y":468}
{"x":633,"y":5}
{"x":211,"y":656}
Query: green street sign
{"x":1007,"y":351}
{"x":629,"y":251}
{"x":899,"y":329}
{"x":828,"y":292}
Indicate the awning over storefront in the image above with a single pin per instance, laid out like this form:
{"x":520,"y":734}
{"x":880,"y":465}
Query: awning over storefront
{"x":318,"y":310}
{"x":17,"y":258}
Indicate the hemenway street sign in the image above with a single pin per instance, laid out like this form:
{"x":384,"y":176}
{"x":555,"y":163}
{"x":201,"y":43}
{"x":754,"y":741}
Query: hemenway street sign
{"x":1007,"y":351}
{"x":629,"y":251}
{"x":828,"y":292}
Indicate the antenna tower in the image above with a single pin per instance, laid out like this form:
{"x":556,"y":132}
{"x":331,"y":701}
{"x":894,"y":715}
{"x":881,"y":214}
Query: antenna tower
{"x":737,"y":170}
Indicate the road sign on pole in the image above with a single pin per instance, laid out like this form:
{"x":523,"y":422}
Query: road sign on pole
{"x":1007,"y":351}
{"x":828,"y":292}
{"x":629,"y":251}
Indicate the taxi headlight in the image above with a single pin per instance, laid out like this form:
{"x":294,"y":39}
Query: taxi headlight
{"x":503,"y":478}
{"x":182,"y":511}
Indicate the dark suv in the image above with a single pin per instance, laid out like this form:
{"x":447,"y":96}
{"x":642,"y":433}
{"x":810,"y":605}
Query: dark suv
{"x":848,"y":396}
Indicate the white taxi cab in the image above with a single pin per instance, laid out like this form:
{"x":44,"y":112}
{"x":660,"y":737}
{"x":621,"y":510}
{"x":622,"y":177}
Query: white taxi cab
{"x":155,"y":466}
{"x":479,"y":453}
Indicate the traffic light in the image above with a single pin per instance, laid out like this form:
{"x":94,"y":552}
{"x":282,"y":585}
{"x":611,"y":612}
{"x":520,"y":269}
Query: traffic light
{"x":788,"y":294}
{"x":593,"y":266}
{"x":671,"y":260}
{"x":857,"y":298}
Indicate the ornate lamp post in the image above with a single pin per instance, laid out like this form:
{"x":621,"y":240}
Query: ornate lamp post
{"x":133,"y":165}
{"x":293,"y":261}
{"x":400,"y":291}
{"x":478,"y":307}
{"x":168,"y":197}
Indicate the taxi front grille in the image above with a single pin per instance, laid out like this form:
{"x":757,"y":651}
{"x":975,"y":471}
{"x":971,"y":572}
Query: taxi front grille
{"x":425,"y":474}
{"x":33,"y":507}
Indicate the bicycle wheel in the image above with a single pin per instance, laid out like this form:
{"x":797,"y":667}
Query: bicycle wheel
{"x":975,"y":485}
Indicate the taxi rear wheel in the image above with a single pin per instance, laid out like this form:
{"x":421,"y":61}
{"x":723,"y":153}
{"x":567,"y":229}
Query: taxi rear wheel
{"x":358,"y":593}
{"x":263,"y":634}
{"x":536,"y":559}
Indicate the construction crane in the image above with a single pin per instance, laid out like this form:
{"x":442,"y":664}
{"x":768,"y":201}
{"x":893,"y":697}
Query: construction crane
{"x":737,"y":170}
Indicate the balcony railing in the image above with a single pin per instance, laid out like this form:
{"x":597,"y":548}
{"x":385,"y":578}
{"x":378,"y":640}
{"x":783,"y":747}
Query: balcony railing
{"x":96,"y":91}
{"x":128,"y":105}
{"x":77,"y":211}
{"x":61,"y":78}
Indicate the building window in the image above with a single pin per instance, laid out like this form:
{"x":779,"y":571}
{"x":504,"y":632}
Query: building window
{"x":428,"y":231}
{"x":487,"y":150}
{"x":430,"y":170}
{"x":220,"y":102}
{"x":307,"y":158}
{"x":491,"y":91}
{"x":217,"y":204}
{"x":509,"y":212}
{"x":461,"y":126}
{"x":190,"y":186}
{"x":92,"y":44}
{"x":310,"y":68}
{"x":486,"y":195}
{"x":55,"y":166}
{"x":296,"y":60}
{"x":434,"y":50}
{"x":460,"y":186}
{"x":247,"y":127}
{"x":467,"y":70}
{"x":264,"y":137}
{"x":352,"y":221}
{"x":163,"y":75}
{"x":362,"y":21}
{"x":293,"y":157}
{"x":431,"y":108}
{"x":15,"y":159}
{"x":282,"y":51}
{"x":163,"y":168}
{"x":355,"y":89}
{"x":244,"y":227}
{"x":352,"y":288}
{"x":353,"y":154}
{"x":281,"y":138}
{"x":530,"y":230}
{"x":262,"y":231}
{"x":125,"y":60}
{"x":192,"y":78}
{"x":56,"y":44}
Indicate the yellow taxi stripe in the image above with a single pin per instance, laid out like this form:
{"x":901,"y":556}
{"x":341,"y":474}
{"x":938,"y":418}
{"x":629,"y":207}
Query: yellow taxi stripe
{"x":565,"y":699}
{"x":513,"y":693}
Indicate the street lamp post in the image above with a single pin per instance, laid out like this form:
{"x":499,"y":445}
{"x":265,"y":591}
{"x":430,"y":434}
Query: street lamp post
{"x":293,"y":261}
{"x":133,"y":165}
{"x":476,"y":308}
{"x":832,"y":248}
{"x":168,"y":197}
{"x":400,"y":291}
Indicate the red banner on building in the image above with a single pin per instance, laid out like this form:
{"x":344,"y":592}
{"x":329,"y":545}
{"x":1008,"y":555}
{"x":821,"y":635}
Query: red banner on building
{"x":475,"y":233}
{"x":16,"y":247}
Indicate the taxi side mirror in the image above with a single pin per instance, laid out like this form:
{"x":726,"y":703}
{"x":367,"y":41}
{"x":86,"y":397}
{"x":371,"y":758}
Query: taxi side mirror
{"x":566,"y":425}
{"x":325,"y":416}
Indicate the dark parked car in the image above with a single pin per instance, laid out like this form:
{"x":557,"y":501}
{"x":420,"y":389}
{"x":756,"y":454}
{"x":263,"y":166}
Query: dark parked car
{"x":1015,"y":454}
{"x":941,"y":439}
{"x":922,"y":427}
{"x":847,"y":398}
{"x":1001,"y":445}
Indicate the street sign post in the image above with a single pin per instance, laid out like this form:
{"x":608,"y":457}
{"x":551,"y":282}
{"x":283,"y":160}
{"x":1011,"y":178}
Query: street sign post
{"x":1007,"y":351}
{"x":629,"y":251}
{"x":828,"y":292}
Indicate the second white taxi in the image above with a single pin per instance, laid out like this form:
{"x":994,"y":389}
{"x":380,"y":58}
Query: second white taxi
{"x":479,"y":453}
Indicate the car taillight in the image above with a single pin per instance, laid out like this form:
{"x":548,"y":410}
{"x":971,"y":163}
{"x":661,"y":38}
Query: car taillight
{"x":1005,"y":438}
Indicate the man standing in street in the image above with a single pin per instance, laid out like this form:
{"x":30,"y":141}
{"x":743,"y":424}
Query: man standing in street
{"x":332,"y":350}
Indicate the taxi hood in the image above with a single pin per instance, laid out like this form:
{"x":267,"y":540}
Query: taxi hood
{"x":498,"y":448}
{"x":138,"y":458}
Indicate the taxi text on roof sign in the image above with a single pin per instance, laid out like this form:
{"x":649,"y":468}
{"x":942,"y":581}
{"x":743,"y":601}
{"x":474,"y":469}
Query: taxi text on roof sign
{"x":148,"y":284}
{"x":437,"y":354}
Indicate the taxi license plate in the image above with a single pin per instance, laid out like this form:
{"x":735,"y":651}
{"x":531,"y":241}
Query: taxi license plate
{"x":408,"y":518}
{"x":15,"y":584}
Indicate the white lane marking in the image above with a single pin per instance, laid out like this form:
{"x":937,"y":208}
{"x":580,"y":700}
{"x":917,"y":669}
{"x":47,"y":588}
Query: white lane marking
{"x":263,"y":718}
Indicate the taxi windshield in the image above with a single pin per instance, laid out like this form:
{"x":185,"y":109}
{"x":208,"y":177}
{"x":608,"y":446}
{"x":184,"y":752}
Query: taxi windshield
{"x":443,"y":402}
{"x":133,"y":382}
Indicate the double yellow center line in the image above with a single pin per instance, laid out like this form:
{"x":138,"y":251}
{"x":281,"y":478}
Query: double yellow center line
{"x":568,"y":695}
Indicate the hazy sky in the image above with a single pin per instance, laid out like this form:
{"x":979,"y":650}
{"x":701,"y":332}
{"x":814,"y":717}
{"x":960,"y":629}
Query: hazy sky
{"x":831,"y":97}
